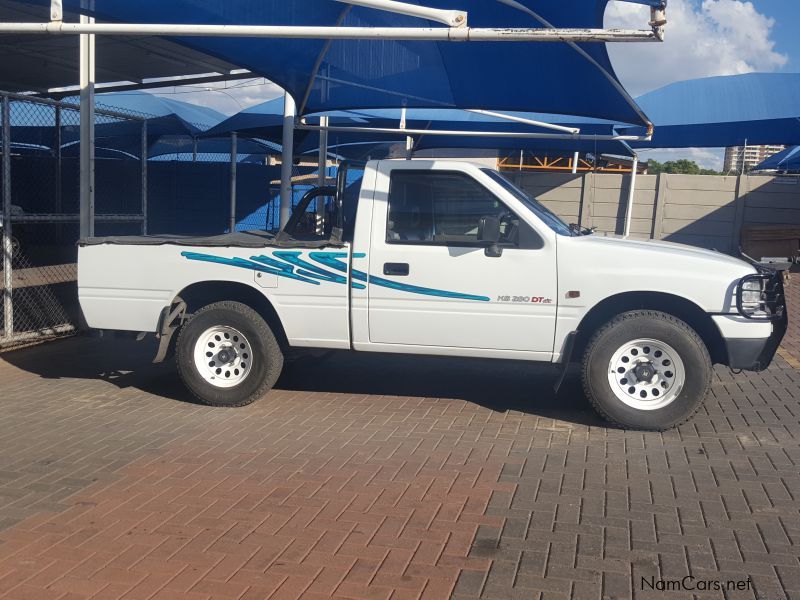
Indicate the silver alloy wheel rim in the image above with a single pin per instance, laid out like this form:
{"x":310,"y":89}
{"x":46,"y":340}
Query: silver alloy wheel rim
{"x":646,"y":374}
{"x":223,"y":356}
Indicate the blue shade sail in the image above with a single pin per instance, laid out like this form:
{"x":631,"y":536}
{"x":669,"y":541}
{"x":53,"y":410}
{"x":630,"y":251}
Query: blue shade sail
{"x":265,"y":121}
{"x":787,"y":161}
{"x":331,"y":75}
{"x":757,"y":108}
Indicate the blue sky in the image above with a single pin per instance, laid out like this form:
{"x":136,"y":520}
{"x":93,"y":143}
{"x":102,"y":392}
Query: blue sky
{"x":786,"y":14}
{"x":705,"y":38}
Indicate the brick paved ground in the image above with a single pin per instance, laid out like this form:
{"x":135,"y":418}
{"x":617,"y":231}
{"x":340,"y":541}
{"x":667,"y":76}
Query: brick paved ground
{"x":383,"y":477}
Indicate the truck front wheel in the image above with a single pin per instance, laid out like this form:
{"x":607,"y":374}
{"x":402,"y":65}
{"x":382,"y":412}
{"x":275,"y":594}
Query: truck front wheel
{"x":227,"y":355}
{"x":646,"y":370}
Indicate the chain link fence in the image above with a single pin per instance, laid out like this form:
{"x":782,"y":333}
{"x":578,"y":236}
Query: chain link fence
{"x":180,"y":189}
{"x":41,"y":206}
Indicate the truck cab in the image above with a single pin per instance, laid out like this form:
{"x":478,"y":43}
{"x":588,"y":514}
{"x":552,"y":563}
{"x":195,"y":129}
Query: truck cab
{"x":438,"y":257}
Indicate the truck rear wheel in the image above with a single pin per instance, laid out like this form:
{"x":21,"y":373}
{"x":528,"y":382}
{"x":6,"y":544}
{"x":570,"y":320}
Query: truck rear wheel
{"x":646,"y":370}
{"x":227,"y":355}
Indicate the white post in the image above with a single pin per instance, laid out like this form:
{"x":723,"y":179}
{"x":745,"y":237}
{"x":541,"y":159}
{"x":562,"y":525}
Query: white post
{"x":234,"y":159}
{"x":87,"y":76}
{"x":322,"y":166}
{"x":575,"y":158}
{"x":194,"y":150}
{"x":409,"y":139}
{"x":631,"y":193}
{"x":287,"y":157}
{"x":744,"y":158}
{"x":144,"y":177}
{"x":8,"y":307}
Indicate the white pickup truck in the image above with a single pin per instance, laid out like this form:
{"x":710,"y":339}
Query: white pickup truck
{"x":440,"y":258}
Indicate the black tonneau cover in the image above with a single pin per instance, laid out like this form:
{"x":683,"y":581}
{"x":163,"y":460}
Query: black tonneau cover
{"x":239,"y":239}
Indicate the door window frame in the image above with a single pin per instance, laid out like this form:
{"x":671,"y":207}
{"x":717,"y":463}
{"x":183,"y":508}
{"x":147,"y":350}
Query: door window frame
{"x":535,"y":242}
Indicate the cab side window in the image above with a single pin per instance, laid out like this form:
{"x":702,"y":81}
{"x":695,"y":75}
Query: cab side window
{"x":444,"y":208}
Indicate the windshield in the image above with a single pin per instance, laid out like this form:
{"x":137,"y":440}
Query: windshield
{"x":545,"y":214}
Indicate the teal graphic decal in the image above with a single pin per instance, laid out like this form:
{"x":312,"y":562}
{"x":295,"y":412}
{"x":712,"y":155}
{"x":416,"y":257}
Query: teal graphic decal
{"x":291,"y":265}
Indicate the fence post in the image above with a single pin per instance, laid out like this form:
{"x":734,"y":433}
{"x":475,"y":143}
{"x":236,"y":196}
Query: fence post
{"x":57,"y":143}
{"x":587,"y":201}
{"x":8,"y":307}
{"x":234,"y":159}
{"x":658,"y":218}
{"x":144,"y":177}
{"x":742,"y":189}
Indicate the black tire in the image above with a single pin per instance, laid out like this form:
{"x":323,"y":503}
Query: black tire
{"x":646,"y":324}
{"x":266,"y":362}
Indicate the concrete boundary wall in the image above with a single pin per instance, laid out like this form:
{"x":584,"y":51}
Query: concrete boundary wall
{"x":701,"y":210}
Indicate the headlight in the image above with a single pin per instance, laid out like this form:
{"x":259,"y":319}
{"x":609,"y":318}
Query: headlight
{"x":751,"y":294}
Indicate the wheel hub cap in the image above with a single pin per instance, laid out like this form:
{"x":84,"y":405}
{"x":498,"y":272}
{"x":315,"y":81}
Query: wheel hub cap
{"x":646,"y":374}
{"x":223,"y":356}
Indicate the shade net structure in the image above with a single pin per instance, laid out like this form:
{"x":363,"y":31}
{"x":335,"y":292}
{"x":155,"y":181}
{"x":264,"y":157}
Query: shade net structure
{"x":324,"y":75}
{"x":265,"y":121}
{"x":713,"y":112}
{"x":787,"y":161}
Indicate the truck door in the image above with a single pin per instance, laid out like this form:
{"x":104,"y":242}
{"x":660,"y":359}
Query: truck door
{"x":433,"y":283}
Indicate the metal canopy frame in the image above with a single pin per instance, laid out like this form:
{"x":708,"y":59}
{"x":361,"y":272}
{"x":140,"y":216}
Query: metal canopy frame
{"x":456,"y":30}
{"x":403,"y":131}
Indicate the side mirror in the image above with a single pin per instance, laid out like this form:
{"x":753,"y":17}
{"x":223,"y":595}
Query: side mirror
{"x":489,"y":234}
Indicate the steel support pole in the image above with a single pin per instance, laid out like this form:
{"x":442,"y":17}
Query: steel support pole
{"x":631,"y":195}
{"x":575,"y":158}
{"x":87,"y":75}
{"x":144,"y":158}
{"x":8,"y":307}
{"x":322,"y":168}
{"x":286,"y":158}
{"x":234,"y":160}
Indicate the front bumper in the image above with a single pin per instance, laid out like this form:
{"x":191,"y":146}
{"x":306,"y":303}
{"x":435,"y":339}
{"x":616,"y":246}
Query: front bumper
{"x":756,"y":354}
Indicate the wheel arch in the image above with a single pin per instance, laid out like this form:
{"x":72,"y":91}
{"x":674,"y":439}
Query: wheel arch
{"x":203,"y":293}
{"x":679,"y":307}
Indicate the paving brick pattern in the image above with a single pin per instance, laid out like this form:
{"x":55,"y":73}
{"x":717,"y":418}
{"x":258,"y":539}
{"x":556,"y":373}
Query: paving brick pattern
{"x":790,"y":349}
{"x":383,"y":477}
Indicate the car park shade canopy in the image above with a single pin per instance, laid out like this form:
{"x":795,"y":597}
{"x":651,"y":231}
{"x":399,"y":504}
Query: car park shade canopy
{"x":713,"y":112}
{"x":265,"y":121}
{"x":787,"y":161}
{"x":550,"y":77}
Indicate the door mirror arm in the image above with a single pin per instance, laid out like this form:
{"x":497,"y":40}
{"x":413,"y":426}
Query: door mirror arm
{"x":489,"y":235}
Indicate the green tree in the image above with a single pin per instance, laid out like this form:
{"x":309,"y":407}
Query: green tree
{"x":682,"y":166}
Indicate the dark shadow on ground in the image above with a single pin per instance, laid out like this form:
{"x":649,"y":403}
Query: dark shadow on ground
{"x":498,"y":385}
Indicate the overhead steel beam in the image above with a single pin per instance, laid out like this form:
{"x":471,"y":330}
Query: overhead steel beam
{"x":440,"y":34}
{"x":453,"y":18}
{"x":463,"y":133}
